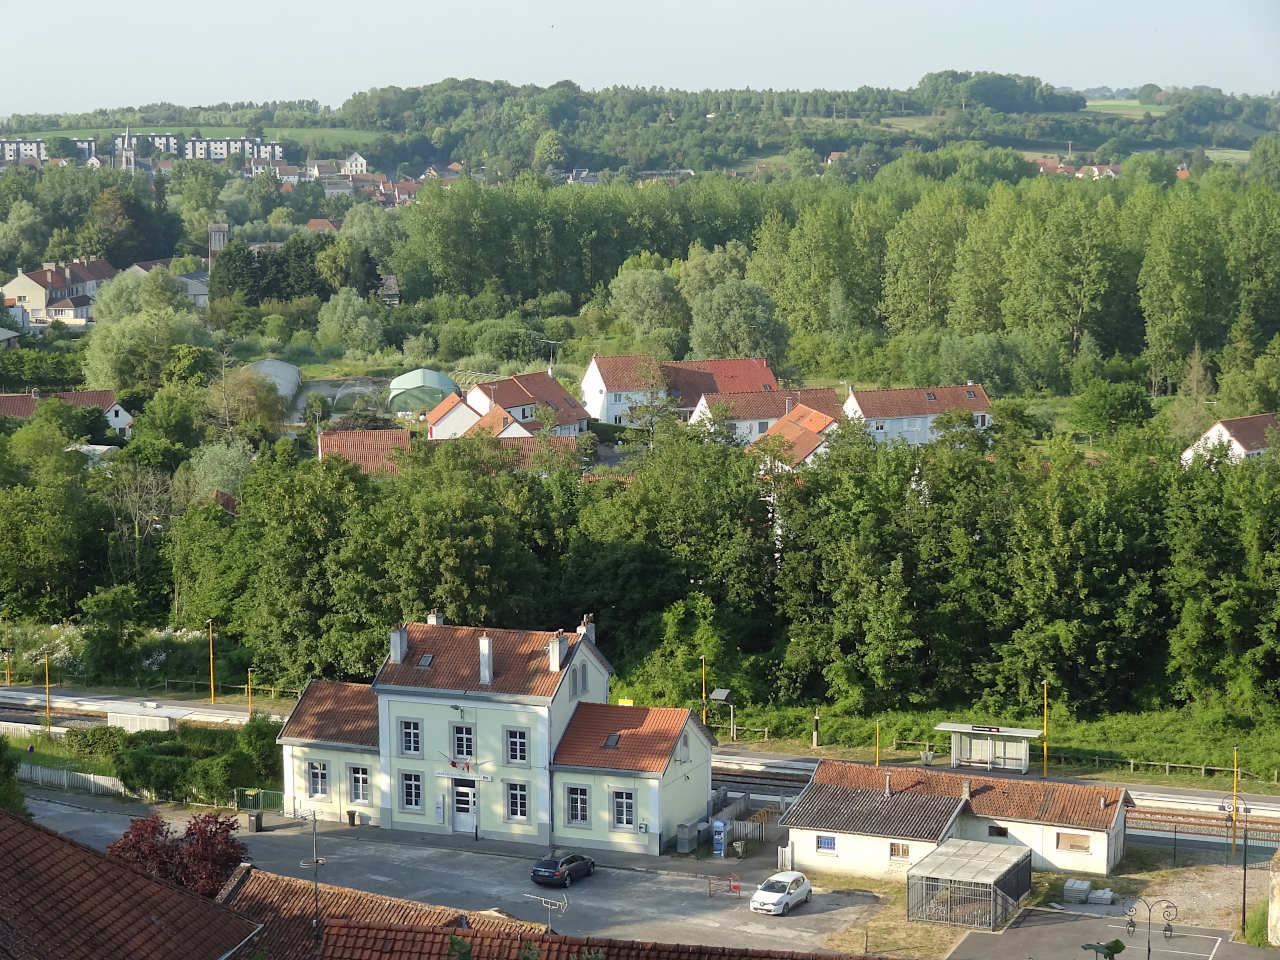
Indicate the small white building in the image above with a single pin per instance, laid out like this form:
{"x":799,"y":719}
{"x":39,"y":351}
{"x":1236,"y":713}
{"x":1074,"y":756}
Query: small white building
{"x":990,"y":747}
{"x":355,"y":164}
{"x":450,"y":418}
{"x":860,"y":819}
{"x":908,"y":414}
{"x":520,"y":397}
{"x":613,"y":387}
{"x":1241,"y":438}
{"x":752,"y":414}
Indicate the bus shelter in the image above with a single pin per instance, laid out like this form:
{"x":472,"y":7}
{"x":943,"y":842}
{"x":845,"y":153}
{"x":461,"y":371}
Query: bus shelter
{"x":992,"y":747}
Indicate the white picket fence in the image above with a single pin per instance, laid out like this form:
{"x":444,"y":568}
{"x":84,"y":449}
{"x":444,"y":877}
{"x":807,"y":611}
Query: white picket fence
{"x":71,"y":780}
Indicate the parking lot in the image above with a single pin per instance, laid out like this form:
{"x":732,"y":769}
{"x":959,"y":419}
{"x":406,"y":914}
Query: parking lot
{"x":626,"y":904}
{"x":1046,"y":934}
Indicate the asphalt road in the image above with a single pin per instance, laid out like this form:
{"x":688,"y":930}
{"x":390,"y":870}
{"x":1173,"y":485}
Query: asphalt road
{"x":1051,"y":934}
{"x":614,"y":903}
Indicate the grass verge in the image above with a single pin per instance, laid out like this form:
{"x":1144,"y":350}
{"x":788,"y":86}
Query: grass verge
{"x":46,"y":752}
{"x":887,"y":932}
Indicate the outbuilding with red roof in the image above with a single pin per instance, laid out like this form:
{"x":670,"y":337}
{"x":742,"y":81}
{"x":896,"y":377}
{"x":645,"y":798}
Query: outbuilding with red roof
{"x":908,"y":414}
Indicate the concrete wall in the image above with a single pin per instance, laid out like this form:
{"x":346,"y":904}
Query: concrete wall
{"x":855,"y":854}
{"x":1043,"y":841}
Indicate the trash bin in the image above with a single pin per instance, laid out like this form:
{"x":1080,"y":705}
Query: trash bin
{"x":351,"y":818}
{"x":740,"y":848}
{"x":255,"y":821}
{"x":926,"y":757}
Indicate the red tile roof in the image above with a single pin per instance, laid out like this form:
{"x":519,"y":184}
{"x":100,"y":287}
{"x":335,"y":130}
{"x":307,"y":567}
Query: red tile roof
{"x":520,"y":660}
{"x":348,"y":940}
{"x":321,"y":224}
{"x":23,"y":405}
{"x":1034,"y":801}
{"x":59,"y":898}
{"x":523,"y":448}
{"x":1251,"y":432}
{"x":497,"y":420}
{"x":646,"y":737}
{"x":49,"y":279}
{"x":803,"y":431}
{"x":331,"y":712}
{"x":285,"y":907}
{"x":915,"y":402}
{"x":689,"y":378}
{"x":772,"y":404}
{"x":370,"y":450}
{"x":537,"y":389}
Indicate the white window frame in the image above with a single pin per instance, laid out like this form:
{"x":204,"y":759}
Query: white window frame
{"x":899,"y":850}
{"x":470,"y":737}
{"x":628,"y":799}
{"x":405,"y":781}
{"x":824,"y":851}
{"x":515,"y":735}
{"x":317,"y":776}
{"x":518,"y":791}
{"x":762,"y":426}
{"x":413,"y":727}
{"x":352,"y":792}
{"x":585,"y":822}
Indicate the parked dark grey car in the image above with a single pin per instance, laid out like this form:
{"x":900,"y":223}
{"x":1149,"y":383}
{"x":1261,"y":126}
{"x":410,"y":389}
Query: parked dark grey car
{"x":562,"y":871}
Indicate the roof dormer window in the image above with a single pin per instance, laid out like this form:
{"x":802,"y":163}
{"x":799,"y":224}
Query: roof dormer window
{"x":611,"y":741}
{"x":929,"y":395}
{"x":971,"y":395}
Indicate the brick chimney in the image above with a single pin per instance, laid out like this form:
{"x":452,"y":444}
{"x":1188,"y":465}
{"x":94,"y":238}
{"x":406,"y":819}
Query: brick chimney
{"x":399,"y":643}
{"x":486,"y":659}
{"x":557,"y":650}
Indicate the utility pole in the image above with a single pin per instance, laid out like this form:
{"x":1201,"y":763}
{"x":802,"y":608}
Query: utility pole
{"x":48,"y":712}
{"x":1044,"y":760}
{"x":251,"y":693}
{"x":1235,"y":794}
{"x":704,"y":689}
{"x":213,"y":697}
{"x":877,"y":743}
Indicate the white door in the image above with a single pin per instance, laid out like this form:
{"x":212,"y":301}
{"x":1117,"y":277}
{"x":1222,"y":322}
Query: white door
{"x":464,"y":805}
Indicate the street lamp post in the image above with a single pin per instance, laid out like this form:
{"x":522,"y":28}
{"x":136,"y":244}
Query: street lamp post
{"x":1169,"y":912}
{"x":251,"y":693}
{"x":1233,"y":806}
{"x":213,"y":697}
{"x":704,"y":689}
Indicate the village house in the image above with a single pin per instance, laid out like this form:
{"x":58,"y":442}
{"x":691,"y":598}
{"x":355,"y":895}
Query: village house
{"x":9,"y":339}
{"x":503,"y":734}
{"x":613,"y":387}
{"x":752,"y":414}
{"x":520,"y":398}
{"x":908,"y":414}
{"x":59,"y":291}
{"x":373,"y":451}
{"x":355,"y":164}
{"x":856,"y":818}
{"x":1240,"y":438}
{"x":803,"y":433}
{"x":450,"y":418}
{"x":21,"y":406}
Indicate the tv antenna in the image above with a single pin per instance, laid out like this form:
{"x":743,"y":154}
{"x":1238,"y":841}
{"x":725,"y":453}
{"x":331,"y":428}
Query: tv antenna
{"x":553,"y":906}
{"x":315,"y":863}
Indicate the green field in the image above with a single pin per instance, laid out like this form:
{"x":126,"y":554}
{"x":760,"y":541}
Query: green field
{"x":1125,"y":108}
{"x":323,"y":138}
{"x":1227,"y":155}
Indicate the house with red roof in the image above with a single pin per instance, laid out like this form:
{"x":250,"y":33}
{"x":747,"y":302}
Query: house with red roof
{"x":613,"y":387}
{"x":21,"y":406}
{"x":59,"y":291}
{"x":802,"y":432}
{"x":520,"y":398}
{"x":450,"y":418}
{"x":752,"y":414}
{"x":1240,"y":438}
{"x":373,"y":451}
{"x":497,"y":733}
{"x":908,"y":414}
{"x":857,"y":818}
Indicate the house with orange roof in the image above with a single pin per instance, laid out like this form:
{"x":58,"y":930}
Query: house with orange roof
{"x":59,"y":291}
{"x":520,"y":398}
{"x":497,"y":733}
{"x":908,"y":414}
{"x":803,"y":433}
{"x":450,"y":418}
{"x":613,"y":387}
{"x":751,"y":414}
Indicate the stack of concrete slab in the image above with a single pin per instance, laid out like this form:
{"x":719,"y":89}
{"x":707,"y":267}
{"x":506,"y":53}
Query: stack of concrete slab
{"x":1076,"y":891}
{"x":1101,"y":896}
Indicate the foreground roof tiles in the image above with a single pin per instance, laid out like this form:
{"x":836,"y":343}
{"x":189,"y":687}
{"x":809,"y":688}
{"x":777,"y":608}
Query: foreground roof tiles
{"x":915,"y":402}
{"x":803,"y":431}
{"x":523,"y":448}
{"x":59,"y":898}
{"x":23,"y":405}
{"x":348,"y":940}
{"x":643,"y":737}
{"x":521,"y":664}
{"x":370,"y":450}
{"x":331,"y":712}
{"x":1251,"y":432}
{"x":1035,"y":801}
{"x":285,"y":906}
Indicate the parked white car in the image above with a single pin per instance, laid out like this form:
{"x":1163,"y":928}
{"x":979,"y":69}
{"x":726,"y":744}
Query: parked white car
{"x":781,"y":893}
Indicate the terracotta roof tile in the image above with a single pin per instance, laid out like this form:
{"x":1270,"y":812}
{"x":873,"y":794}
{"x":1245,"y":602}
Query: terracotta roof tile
{"x":1251,"y":432}
{"x":645,"y":737}
{"x":915,"y":402}
{"x":370,"y":450}
{"x":23,"y":405}
{"x":803,"y":431}
{"x":520,"y":660}
{"x":690,"y":379}
{"x":285,"y":907}
{"x":533,"y":388}
{"x":772,"y":404}
{"x":523,"y":448}
{"x":1061,"y":804}
{"x":59,"y":898}
{"x":331,"y":712}
{"x":437,"y":412}
{"x":348,"y":940}
{"x":497,"y":420}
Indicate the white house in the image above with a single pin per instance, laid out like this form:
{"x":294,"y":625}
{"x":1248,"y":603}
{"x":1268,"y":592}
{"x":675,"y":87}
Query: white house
{"x":521,"y":396}
{"x":908,"y":414}
{"x":613,"y":386}
{"x":21,"y":406}
{"x":500,"y":734}
{"x":355,"y":164}
{"x":856,"y":818}
{"x":450,"y":418}
{"x":1241,"y":437}
{"x":803,"y":433}
{"x":752,"y":414}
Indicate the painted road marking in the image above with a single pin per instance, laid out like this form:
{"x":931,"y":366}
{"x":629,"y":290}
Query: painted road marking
{"x":1217,"y":942}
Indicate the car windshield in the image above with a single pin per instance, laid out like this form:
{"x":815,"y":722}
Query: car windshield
{"x":773,"y":886}
{"x":547,"y":864}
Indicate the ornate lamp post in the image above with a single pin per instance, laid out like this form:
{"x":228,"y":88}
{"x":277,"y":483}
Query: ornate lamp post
{"x":1233,"y":806}
{"x":1169,"y":911}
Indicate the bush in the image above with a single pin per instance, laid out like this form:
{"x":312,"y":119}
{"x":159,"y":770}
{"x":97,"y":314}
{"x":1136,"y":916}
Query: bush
{"x":206,"y":741}
{"x":214,"y":779}
{"x":257,"y":738}
{"x":148,"y":738}
{"x":150,"y":770}
{"x":96,"y":742}
{"x":1255,"y":926}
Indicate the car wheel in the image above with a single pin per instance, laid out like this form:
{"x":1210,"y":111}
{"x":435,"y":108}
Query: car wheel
{"x":786,"y":908}
{"x":807,"y":895}
{"x":568,"y":879}
{"x":591,"y":869}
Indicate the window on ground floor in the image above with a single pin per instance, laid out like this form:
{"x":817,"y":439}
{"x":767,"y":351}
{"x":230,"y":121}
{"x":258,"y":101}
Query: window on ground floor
{"x":411,"y":791}
{"x":624,"y":810}
{"x":317,"y":779}
{"x":517,"y":801}
{"x":826,"y":844}
{"x":1076,"y":842}
{"x":899,"y":851}
{"x":359,"y":784}
{"x":578,"y":806}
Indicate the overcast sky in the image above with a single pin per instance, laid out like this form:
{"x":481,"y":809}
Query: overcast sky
{"x":325,"y":49}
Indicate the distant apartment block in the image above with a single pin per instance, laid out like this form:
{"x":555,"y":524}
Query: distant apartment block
{"x":14,"y":150}
{"x":162,"y":142}
{"x":219,"y":148}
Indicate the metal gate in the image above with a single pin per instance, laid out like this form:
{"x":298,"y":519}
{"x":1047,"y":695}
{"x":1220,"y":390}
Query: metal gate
{"x":252,"y":798}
